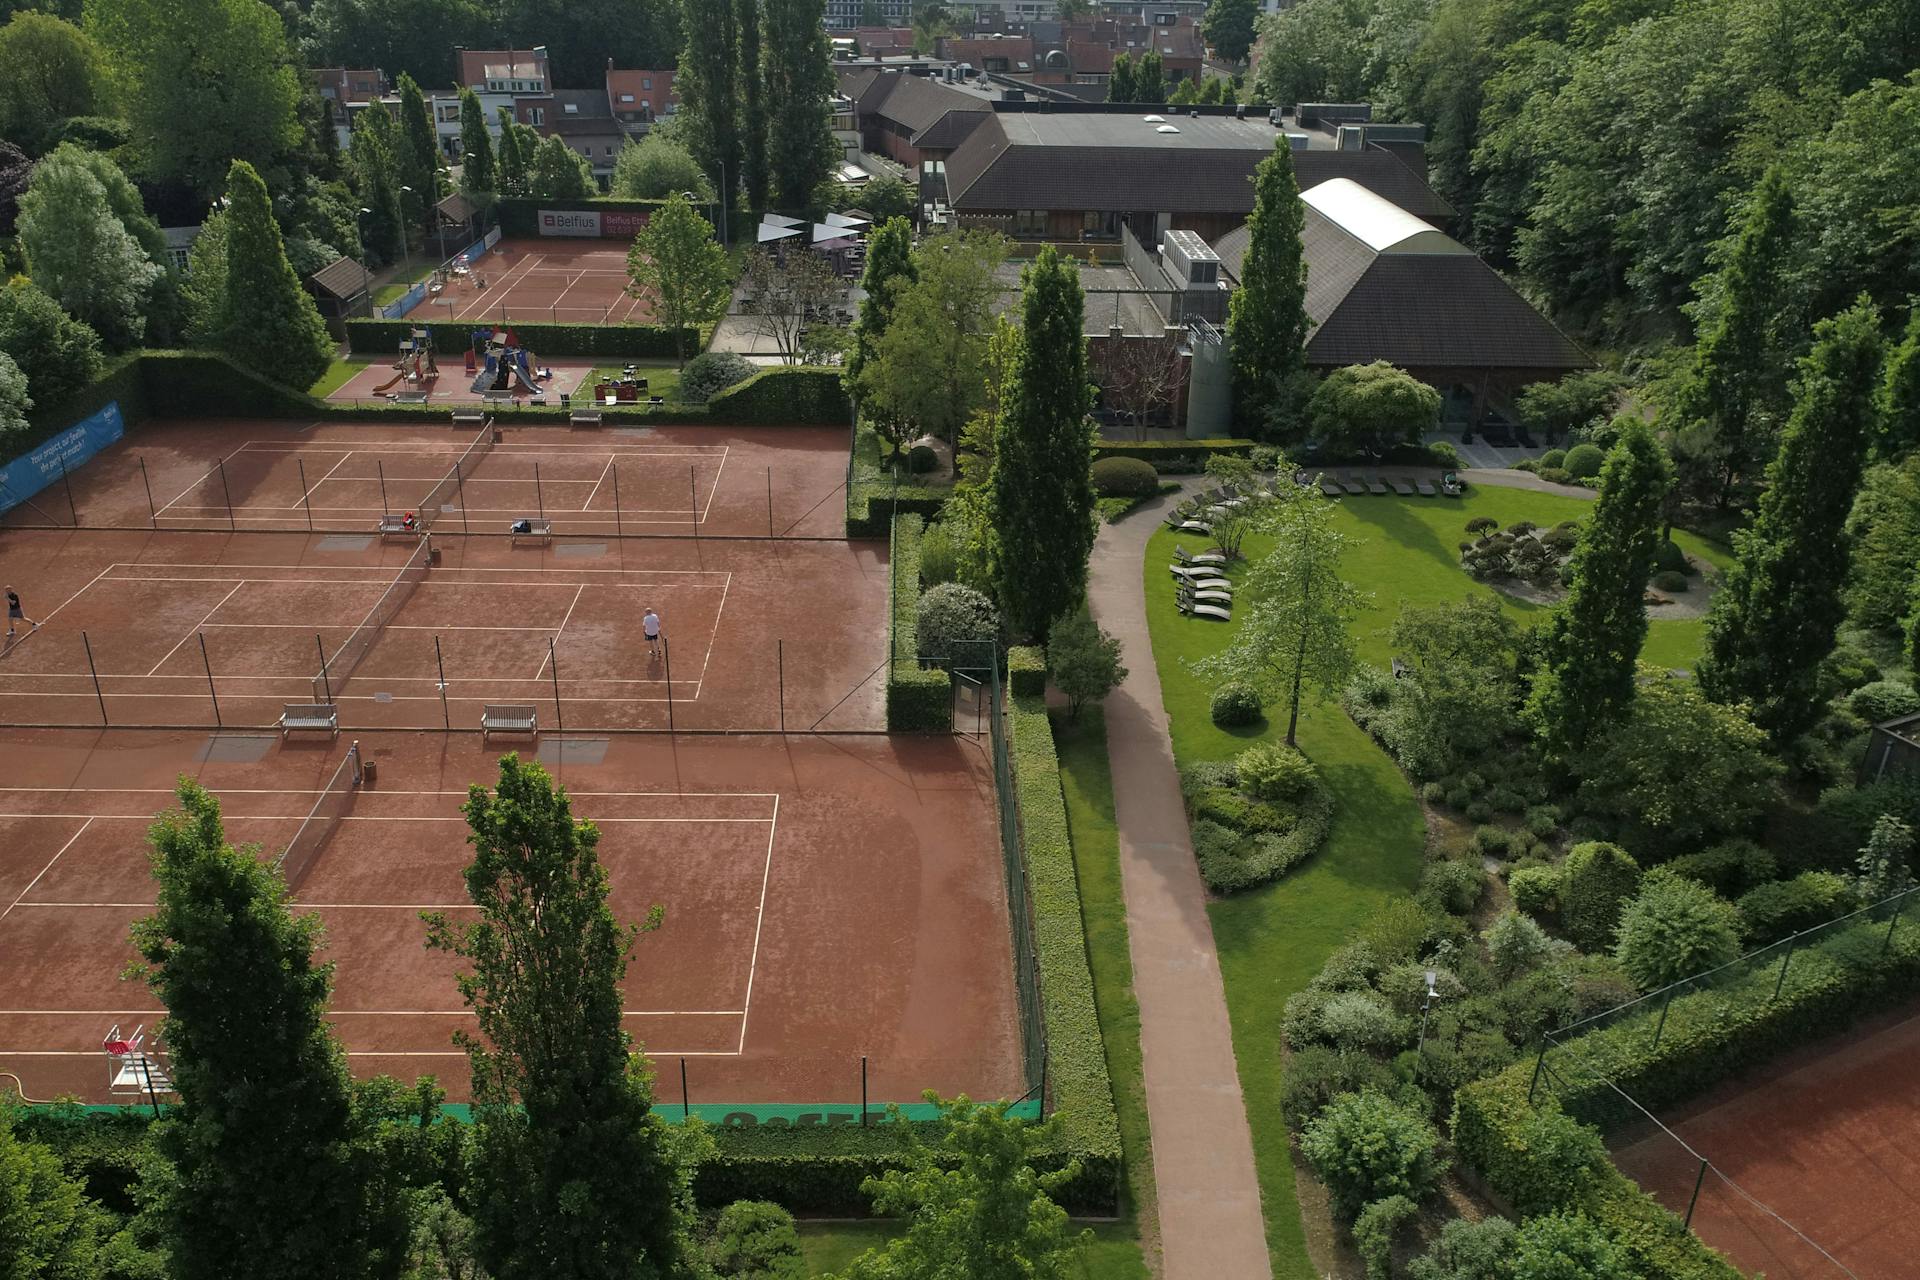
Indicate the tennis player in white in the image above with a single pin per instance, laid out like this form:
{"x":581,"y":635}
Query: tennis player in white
{"x":650,"y":624}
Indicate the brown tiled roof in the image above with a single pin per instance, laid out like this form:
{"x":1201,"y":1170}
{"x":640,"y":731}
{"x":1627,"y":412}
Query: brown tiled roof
{"x":1415,"y":309}
{"x":950,"y":130}
{"x":1117,"y":161}
{"x":342,"y":278}
{"x":916,"y":102}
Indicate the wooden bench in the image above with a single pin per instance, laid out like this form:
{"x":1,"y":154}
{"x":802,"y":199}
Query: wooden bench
{"x":508,"y":717}
{"x":538,"y":529}
{"x":393,"y":524}
{"x":309,"y":715}
{"x":587,"y":417}
{"x":468,"y":418}
{"x":408,"y":397}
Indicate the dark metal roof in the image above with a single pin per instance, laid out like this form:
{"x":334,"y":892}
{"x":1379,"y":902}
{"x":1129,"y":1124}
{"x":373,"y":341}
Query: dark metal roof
{"x":1116,"y":162}
{"x":342,"y":278}
{"x":917,"y":102}
{"x":1445,"y":309}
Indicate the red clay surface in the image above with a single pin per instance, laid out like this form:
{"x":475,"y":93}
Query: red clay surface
{"x":785,"y":482}
{"x":747,"y":623}
{"x":379,"y":381}
{"x":1824,"y":1138}
{"x":552,"y":280}
{"x":825,"y":898}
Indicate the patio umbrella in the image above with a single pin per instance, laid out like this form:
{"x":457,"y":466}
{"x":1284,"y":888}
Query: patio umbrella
{"x":781,"y":220}
{"x":768,"y":233}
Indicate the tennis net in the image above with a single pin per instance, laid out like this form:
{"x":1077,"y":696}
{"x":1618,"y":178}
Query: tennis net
{"x":434,"y":505}
{"x":321,"y":822}
{"x":338,"y":670}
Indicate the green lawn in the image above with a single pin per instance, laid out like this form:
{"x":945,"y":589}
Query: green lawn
{"x":663,"y":377}
{"x":1272,"y":940}
{"x":1088,"y":787}
{"x":830,"y":1246}
{"x":337,"y":374}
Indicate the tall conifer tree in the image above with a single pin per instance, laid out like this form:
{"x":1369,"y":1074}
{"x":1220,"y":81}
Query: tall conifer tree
{"x":270,"y":323}
{"x":476,"y":147}
{"x":753,"y":103}
{"x":889,"y":269}
{"x":1593,"y":638}
{"x":1041,"y":497}
{"x":707,"y":82}
{"x":1267,"y":314}
{"x":799,"y":71}
{"x":1776,"y":614}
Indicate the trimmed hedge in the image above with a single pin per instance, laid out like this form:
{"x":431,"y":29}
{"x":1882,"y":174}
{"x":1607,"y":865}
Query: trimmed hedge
{"x":919,"y":699}
{"x":794,"y":393}
{"x":1027,"y":671}
{"x":1708,"y":1036}
{"x":875,"y":494}
{"x":451,"y":338}
{"x":1161,"y":450}
{"x":1081,"y":1090}
{"x":120,"y":379}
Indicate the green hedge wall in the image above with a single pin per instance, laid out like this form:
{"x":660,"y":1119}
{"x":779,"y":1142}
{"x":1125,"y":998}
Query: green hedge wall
{"x":1709,"y":1035}
{"x":874,"y":493}
{"x":1082,"y":1091}
{"x":796,"y":393}
{"x":919,"y":699}
{"x":1027,"y":671}
{"x":453,"y":339}
{"x":1159,"y":450}
{"x":120,"y":380}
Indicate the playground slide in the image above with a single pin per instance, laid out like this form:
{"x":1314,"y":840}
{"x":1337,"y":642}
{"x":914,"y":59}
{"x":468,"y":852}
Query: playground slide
{"x":521,"y":381}
{"x":383,"y":387}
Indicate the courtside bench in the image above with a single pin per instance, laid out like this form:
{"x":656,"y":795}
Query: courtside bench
{"x":539,"y":529}
{"x":321,"y":716}
{"x":508,"y":717}
{"x":587,"y":418}
{"x":469,"y":418}
{"x":393,"y":524}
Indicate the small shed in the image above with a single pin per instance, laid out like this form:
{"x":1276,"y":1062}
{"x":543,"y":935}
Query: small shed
{"x":1893,"y":751}
{"x":343,"y":290}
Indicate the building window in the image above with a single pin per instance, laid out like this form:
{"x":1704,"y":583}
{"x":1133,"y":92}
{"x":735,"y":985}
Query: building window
{"x":646,"y":85}
{"x":1095,"y":225}
{"x":1030,"y":224}
{"x":536,"y":115}
{"x":626,"y":97}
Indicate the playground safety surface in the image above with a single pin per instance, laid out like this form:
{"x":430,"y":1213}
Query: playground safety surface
{"x":830,"y":892}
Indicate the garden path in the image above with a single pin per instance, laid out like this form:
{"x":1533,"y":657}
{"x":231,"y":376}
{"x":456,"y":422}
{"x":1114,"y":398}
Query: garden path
{"x":1210,"y":1221}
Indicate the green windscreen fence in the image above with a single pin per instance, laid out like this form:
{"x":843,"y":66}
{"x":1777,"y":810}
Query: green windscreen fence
{"x":1026,"y":963}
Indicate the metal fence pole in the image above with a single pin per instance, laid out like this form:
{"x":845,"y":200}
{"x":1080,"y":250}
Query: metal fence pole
{"x":553,"y":664}
{"x":440,"y":664}
{"x":1785,"y":960}
{"x":306,"y":499}
{"x":72,"y":510}
{"x":1539,"y":1064}
{"x":666,"y":655}
{"x":153,"y":513}
{"x":460,"y":484}
{"x":780,"y":666}
{"x":538,"y":497}
{"x":224,"y":489}
{"x":381,"y":470}
{"x":1662,"y":1024}
{"x":1898,"y":907}
{"x":863,"y":1091}
{"x":686,"y":1100}
{"x":215,"y":697}
{"x":769,"y":502}
{"x":1694,"y":1199}
{"x":693,"y":499}
{"x":326,"y":681}
{"x":617,"y":531}
{"x":94,"y":672}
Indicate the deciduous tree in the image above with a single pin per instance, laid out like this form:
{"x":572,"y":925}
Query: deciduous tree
{"x":46,"y":1229}
{"x":1366,"y":409}
{"x":14,"y":401}
{"x":890,"y":269}
{"x":1042,"y":498}
{"x":1083,"y":661}
{"x":1120,"y":81}
{"x":799,"y":72}
{"x":383,"y":225}
{"x":1149,"y":79}
{"x":927,"y":370}
{"x":262,"y":1182}
{"x":973,"y":1204}
{"x":784,"y":297}
{"x":197,"y":104}
{"x":58,"y":354}
{"x":1777,"y":611}
{"x":1674,"y":928}
{"x":49,"y":72}
{"x":81,"y":254}
{"x":269,"y":322}
{"x":15,"y":171}
{"x":1295,"y":634}
{"x":677,"y":264}
{"x":558,"y":172}
{"x":1884,"y":529}
{"x":1229,"y":27}
{"x":572,"y":1174}
{"x":419,"y":155}
{"x":657,"y":167}
{"x":1593,"y":638}
{"x":1267,"y":314}
{"x":1900,"y":394}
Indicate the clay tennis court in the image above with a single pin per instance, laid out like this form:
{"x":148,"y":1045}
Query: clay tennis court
{"x":784,"y":482}
{"x":171,"y":629}
{"x":825,"y":898}
{"x":1825,"y":1138}
{"x":547,"y":279}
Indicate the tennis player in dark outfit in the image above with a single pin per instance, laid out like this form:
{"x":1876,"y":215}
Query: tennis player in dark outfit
{"x":15,"y":613}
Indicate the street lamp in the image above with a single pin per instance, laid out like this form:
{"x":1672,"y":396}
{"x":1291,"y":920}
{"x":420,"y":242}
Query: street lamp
{"x":1432,"y":975}
{"x":406,"y":251}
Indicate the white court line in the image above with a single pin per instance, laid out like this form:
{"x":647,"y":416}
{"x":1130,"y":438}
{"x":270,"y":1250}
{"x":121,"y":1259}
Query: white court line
{"x":502,"y":284}
{"x":204,"y":476}
{"x":714,"y":492}
{"x":597,"y":483}
{"x":307,"y":498}
{"x":47,"y":617}
{"x":43,"y":871}
{"x":203,"y":622}
{"x":753,"y":961}
{"x":554,"y":642}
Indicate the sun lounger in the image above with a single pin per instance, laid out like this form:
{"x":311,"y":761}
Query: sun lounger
{"x":1329,"y":486}
{"x":1352,"y":484}
{"x":1213,"y":612}
{"x":1426,"y":488}
{"x":1401,"y":487}
{"x":1206,"y":584}
{"x":1374,"y":484}
{"x":1194,"y":526}
{"x":1210,"y":596}
{"x":1187,"y":557}
{"x":1187,"y":572}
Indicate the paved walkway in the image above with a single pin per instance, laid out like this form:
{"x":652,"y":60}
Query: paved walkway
{"x":1210,"y":1222}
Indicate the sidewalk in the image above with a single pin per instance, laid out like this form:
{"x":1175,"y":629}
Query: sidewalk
{"x":1210,"y":1221}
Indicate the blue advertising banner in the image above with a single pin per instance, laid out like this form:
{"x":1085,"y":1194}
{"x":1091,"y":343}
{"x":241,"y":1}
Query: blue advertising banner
{"x":32,"y":472}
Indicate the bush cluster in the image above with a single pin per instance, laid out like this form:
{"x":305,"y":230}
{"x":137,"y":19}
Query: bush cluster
{"x":1243,"y":837}
{"x":1884,"y":700}
{"x":711,"y":372}
{"x":1117,"y":477}
{"x":1236,"y":705}
{"x":1671,"y":582}
{"x":1583,"y":461}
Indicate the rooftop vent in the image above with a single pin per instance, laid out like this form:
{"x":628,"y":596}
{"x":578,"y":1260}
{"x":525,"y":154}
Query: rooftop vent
{"x":1154,"y":119}
{"x":1165,"y":128}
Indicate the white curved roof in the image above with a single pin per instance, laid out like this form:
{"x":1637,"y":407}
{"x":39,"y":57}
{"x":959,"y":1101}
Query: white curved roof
{"x":1376,"y":222}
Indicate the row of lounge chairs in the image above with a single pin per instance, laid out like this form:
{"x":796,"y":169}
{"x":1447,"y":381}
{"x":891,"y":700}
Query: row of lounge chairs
{"x":1201,"y":587}
{"x":1351,"y":482}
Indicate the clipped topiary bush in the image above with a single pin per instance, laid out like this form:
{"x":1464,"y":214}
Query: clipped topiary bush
{"x":755,"y":1240}
{"x":1535,"y":890}
{"x":1236,"y":705}
{"x":923,"y":458}
{"x":1675,"y":928}
{"x":1596,"y":880}
{"x":1670,"y":582}
{"x":1773,"y":911}
{"x":1366,"y":1146}
{"x":957,"y":625}
{"x":1275,"y":771}
{"x":1669,"y":558}
{"x":1556,"y":475}
{"x":1583,"y":461}
{"x":1884,"y":700}
{"x":712,"y":372}
{"x":1125,"y":478}
{"x":1554,"y":458}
